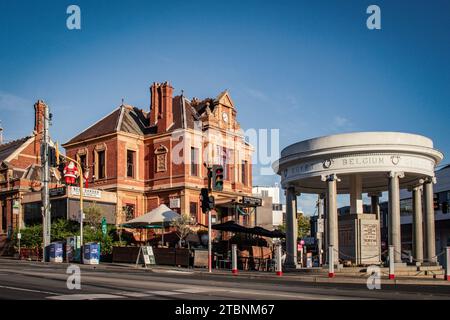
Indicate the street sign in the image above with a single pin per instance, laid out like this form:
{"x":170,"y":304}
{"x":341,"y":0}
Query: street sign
{"x":57,"y":192}
{"x":19,"y":236}
{"x":104,"y":226}
{"x":252,"y":201}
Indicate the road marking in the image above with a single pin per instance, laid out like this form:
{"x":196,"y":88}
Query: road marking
{"x":86,"y":296}
{"x":164,"y":293}
{"x":133,"y":294}
{"x":192,"y":290}
{"x":172,"y":271}
{"x":28,"y":290}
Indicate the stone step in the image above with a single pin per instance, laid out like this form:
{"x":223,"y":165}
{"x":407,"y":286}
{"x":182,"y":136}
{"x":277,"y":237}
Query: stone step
{"x":428,"y":271}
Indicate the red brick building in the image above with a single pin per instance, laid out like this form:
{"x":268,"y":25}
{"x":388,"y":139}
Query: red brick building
{"x":157,"y":156}
{"x":20,"y":173}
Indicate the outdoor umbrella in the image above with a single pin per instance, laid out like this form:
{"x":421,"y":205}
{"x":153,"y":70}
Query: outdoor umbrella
{"x":230,"y":226}
{"x":260,"y":231}
{"x":157,"y":218}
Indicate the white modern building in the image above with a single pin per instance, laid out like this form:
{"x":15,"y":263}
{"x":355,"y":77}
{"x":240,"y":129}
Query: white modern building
{"x":271,"y":213}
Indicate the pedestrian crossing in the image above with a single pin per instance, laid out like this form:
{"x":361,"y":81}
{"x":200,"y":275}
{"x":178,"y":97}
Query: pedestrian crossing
{"x":130,"y":294}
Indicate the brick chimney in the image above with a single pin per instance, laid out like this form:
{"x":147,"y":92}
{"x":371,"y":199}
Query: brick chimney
{"x":39,"y":113}
{"x":155,"y":104}
{"x":161,"y":112}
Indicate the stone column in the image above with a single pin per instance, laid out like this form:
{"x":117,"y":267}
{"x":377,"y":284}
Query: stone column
{"x":356,"y":202}
{"x":332,"y":216}
{"x":394,"y":214}
{"x":291,"y":224}
{"x":375,"y":204}
{"x":375,"y":208}
{"x":417,"y":235}
{"x":430,"y":240}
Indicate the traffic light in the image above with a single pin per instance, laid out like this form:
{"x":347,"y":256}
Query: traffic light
{"x":52,"y":157}
{"x":204,"y":198}
{"x":211,"y":202}
{"x":217,"y":177}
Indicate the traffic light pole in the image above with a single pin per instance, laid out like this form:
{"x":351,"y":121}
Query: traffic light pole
{"x":209,"y":242}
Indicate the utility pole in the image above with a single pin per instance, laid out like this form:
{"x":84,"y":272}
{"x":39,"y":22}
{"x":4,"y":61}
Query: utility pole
{"x":46,"y":219}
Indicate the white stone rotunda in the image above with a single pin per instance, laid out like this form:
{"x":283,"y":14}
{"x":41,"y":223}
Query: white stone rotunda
{"x":357,"y":163}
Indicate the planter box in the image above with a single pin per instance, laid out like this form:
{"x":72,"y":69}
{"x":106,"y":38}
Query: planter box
{"x":163,"y":256}
{"x":34,"y":254}
{"x":125,"y":254}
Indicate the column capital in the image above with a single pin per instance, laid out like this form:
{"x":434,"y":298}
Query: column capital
{"x":330,"y":177}
{"x":396,"y":174}
{"x":292,"y":188}
{"x":416,"y":187}
{"x":428,"y":180}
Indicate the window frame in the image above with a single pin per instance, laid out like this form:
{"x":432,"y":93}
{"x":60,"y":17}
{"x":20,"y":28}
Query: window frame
{"x":133,"y":164}
{"x":98,"y":171}
{"x":194,"y":170}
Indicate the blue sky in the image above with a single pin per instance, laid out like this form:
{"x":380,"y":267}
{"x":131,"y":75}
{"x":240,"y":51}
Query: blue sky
{"x":309,"y":68}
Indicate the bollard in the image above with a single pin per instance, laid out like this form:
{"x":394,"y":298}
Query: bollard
{"x":234,"y":268}
{"x":447,"y":263}
{"x":278,"y":267}
{"x":330,"y":262}
{"x":391,"y":262}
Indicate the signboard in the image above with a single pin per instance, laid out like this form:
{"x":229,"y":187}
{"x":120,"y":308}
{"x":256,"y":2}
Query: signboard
{"x":369,"y":235}
{"x":57,"y":192}
{"x":88,"y":193}
{"x":16,"y":205}
{"x":201,"y":258}
{"x":104,"y":226}
{"x":147,"y":255}
{"x":174,"y":203}
{"x":309,"y":241}
{"x":252,"y":201}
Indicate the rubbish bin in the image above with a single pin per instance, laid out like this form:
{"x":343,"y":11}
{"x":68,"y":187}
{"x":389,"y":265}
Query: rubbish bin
{"x":91,"y":253}
{"x":55,"y":252}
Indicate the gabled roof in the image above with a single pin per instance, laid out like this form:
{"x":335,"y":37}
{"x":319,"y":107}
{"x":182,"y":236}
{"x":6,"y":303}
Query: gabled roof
{"x":129,"y":119}
{"x":7,"y":149}
{"x":123,"y":119}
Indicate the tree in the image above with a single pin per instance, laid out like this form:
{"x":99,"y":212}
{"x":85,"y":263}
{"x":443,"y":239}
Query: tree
{"x":182,"y":226}
{"x":93,"y":216}
{"x":304,"y":226}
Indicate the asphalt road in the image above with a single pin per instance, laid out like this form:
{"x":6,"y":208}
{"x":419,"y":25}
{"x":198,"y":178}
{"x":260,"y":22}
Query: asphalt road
{"x":35,"y":280}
